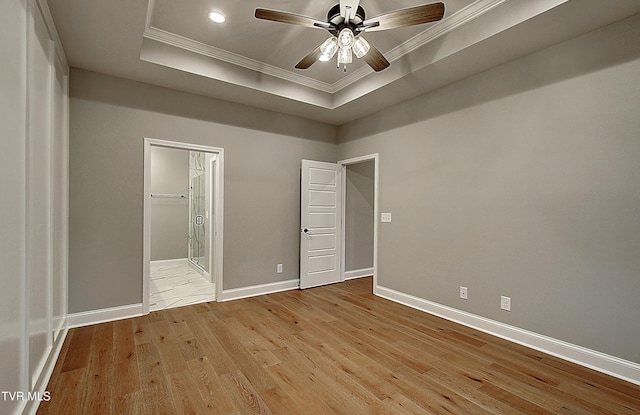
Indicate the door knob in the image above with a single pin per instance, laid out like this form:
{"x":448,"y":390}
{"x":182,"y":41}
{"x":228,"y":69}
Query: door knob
{"x":305,"y":230}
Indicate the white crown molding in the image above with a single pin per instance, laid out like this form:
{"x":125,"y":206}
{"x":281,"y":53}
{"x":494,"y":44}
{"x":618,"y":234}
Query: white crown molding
{"x":450,"y":23}
{"x":53,"y":33}
{"x":191,"y":45}
{"x":446,"y":25}
{"x":465,"y":15}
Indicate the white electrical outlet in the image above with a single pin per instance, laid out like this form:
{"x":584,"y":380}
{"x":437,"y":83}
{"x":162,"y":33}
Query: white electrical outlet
{"x":385,"y":217}
{"x":279,"y":268}
{"x":505,"y":303}
{"x":463,"y":293}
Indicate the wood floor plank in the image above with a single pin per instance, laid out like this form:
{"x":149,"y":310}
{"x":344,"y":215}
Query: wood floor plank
{"x":80,"y":344}
{"x":167,"y":345}
{"x":210,"y":386}
{"x":128,"y":404}
{"x":466,"y":384}
{"x":400,"y":404}
{"x":155,"y":393}
{"x":142,"y":332}
{"x":184,"y":392}
{"x":243,"y":359}
{"x":514,"y":400}
{"x":124,"y":346}
{"x":300,"y":387}
{"x":328,"y":383}
{"x":217,"y":355}
{"x":247,"y":399}
{"x":69,"y":392}
{"x":100,"y":375}
{"x":328,"y":350}
{"x":157,"y":399}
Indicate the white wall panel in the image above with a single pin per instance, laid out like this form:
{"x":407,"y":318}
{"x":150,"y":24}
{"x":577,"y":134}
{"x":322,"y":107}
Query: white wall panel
{"x":33,"y":211}
{"x":39,"y":192}
{"x":12,"y":218}
{"x":60,"y":196}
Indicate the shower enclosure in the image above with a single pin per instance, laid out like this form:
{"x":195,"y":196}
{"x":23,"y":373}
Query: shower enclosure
{"x":198,"y":211}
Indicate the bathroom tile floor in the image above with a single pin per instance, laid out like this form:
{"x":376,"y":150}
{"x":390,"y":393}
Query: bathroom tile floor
{"x":177,"y":286}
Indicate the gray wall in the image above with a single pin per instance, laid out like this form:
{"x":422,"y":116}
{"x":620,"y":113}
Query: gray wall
{"x":521,"y":181}
{"x":359,"y":216}
{"x":169,"y":217}
{"x":109,"y":119}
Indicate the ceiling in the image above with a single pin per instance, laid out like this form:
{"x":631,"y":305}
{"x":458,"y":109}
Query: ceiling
{"x":245,"y":60}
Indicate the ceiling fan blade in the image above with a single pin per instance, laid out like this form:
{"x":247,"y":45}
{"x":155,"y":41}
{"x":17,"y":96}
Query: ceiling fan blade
{"x":406,"y":17}
{"x":310,"y":59}
{"x":351,"y":5}
{"x":290,"y":18}
{"x":375,"y":59}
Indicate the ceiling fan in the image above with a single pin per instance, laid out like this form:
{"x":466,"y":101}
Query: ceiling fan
{"x":346,"y":22}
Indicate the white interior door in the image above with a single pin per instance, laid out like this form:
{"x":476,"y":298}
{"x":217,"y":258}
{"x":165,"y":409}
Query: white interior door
{"x":320,"y":223}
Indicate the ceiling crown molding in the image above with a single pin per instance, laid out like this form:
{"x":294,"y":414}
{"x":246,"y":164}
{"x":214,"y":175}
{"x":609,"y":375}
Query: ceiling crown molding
{"x":191,"y":45}
{"x":450,"y":23}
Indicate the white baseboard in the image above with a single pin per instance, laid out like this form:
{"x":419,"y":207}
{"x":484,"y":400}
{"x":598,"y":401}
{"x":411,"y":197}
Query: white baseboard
{"x":87,"y":318}
{"x":611,"y":365}
{"x":169,"y":262}
{"x":30,"y":407}
{"x":262,"y":289}
{"x":358,"y":273}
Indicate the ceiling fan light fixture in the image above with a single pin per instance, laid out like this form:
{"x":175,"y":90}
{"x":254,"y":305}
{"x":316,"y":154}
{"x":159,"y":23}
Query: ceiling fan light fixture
{"x":346,"y":22}
{"x":217,"y":17}
{"x":344,"y":56}
{"x":328,"y":49}
{"x":360,"y":47}
{"x":346,"y":38}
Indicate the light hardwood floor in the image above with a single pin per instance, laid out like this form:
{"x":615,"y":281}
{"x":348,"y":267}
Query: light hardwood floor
{"x":330,"y":350}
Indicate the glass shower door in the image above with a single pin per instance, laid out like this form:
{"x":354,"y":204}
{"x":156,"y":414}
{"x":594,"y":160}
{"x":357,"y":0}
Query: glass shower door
{"x":197,"y":212}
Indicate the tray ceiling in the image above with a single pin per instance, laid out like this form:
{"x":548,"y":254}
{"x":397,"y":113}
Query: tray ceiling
{"x":250,"y":61}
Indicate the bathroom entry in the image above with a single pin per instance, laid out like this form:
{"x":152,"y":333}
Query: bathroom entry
{"x":183,"y":221}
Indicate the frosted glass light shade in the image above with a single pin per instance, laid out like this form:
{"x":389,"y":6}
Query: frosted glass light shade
{"x":344,"y":56}
{"x":346,"y":38}
{"x":328,"y":49}
{"x":360,"y":47}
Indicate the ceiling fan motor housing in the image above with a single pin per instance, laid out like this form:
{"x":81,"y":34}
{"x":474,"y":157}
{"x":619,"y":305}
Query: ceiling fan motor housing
{"x":337,"y":21}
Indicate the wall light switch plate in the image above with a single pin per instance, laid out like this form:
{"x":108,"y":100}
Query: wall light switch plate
{"x":385,"y":217}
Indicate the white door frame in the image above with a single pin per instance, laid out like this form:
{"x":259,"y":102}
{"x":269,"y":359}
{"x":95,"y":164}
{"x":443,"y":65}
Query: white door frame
{"x":343,"y":164}
{"x":217,"y":224}
{"x":210,"y":218}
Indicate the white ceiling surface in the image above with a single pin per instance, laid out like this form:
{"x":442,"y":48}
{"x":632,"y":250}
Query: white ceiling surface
{"x":245,"y":60}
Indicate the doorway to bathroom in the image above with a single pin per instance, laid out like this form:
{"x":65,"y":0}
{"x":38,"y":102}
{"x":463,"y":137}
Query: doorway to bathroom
{"x":183,"y":223}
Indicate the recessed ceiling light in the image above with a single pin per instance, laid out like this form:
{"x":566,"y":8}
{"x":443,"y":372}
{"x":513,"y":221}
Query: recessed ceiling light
{"x":217,"y":17}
